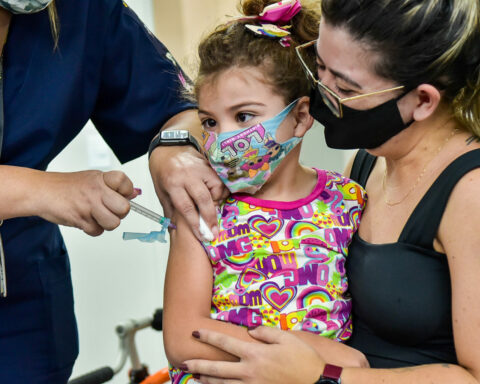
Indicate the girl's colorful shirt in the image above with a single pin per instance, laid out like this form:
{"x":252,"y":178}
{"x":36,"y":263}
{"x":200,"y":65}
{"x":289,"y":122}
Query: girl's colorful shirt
{"x":283,"y":264}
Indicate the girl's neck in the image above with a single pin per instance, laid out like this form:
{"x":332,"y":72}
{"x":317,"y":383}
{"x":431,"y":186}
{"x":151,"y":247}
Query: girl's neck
{"x":290,"y":181}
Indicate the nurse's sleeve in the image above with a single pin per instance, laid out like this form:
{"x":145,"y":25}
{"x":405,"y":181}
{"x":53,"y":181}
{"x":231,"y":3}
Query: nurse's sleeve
{"x":141,"y":86}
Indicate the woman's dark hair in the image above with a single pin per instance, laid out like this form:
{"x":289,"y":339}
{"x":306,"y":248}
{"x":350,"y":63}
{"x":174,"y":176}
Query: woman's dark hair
{"x":420,"y":41}
{"x":232,"y":45}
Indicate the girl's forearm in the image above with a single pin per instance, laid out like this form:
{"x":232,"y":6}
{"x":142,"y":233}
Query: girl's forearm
{"x":423,"y":374}
{"x":182,"y":346}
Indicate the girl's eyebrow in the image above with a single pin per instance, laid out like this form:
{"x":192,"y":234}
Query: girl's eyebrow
{"x":236,"y":107}
{"x":341,"y":75}
{"x":246,"y":104}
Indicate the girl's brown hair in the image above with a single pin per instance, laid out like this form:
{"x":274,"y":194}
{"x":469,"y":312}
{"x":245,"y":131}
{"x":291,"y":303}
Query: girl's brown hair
{"x":232,"y":45}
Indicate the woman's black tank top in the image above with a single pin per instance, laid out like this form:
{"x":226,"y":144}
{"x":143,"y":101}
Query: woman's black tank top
{"x":402,"y":312}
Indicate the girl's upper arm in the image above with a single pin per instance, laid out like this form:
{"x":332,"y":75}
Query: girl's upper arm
{"x":188,"y":287}
{"x":459,"y":236}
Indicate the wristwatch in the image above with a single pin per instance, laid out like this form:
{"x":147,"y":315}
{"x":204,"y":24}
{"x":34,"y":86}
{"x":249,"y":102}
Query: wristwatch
{"x":173,"y":137}
{"x":331,"y":375}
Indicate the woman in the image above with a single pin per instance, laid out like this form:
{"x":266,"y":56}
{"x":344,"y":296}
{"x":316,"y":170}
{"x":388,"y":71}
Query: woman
{"x":101,"y":63}
{"x":402,"y":79}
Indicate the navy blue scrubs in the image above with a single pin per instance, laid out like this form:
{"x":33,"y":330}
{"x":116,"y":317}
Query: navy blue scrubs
{"x":109,"y":68}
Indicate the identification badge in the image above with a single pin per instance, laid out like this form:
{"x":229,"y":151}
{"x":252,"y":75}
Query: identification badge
{"x":3,"y":276}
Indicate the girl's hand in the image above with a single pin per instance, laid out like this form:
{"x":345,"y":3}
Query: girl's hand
{"x":92,"y":201}
{"x":283,"y":359}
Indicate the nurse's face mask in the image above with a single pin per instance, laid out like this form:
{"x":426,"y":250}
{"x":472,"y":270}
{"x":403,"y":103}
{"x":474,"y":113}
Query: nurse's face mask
{"x":348,"y":128}
{"x":24,"y":6}
{"x":245,"y":159}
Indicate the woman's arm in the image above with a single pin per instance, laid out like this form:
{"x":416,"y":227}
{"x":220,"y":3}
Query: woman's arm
{"x":89,"y":200}
{"x":458,"y":236}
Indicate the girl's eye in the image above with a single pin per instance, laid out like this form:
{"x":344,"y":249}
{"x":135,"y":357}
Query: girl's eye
{"x":209,"y":124}
{"x":243,"y":117}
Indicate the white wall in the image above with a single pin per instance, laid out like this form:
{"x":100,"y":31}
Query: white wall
{"x":116,"y":280}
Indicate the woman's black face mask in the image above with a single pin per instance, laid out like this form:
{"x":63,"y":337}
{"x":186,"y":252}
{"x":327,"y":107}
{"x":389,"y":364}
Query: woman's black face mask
{"x":358,"y":128}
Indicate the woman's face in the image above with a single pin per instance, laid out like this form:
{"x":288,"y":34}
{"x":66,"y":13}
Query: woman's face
{"x":347,"y":67}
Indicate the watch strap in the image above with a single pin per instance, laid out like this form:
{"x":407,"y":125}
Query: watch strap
{"x":171,"y":138}
{"x":331,"y":374}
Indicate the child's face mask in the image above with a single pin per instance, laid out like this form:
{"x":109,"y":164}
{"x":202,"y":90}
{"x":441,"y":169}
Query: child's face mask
{"x":245,"y":158}
{"x":24,"y":6}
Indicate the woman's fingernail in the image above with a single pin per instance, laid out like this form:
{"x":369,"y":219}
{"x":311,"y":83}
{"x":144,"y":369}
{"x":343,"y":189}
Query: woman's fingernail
{"x":196,"y":376}
{"x":196,"y":334}
{"x":138,"y":191}
{"x":183,"y":367}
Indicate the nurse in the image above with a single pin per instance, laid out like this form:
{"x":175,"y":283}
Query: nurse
{"x":62,"y":64}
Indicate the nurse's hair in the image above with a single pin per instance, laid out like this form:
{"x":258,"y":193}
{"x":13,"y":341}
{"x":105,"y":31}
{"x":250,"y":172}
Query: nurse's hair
{"x":54,"y":23}
{"x":233,"y":45}
{"x":420,"y":41}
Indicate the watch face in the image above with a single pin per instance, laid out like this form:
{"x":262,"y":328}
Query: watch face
{"x":179,"y":134}
{"x":326,"y":380}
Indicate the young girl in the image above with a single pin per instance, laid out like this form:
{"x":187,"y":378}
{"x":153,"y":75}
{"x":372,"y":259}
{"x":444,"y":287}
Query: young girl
{"x":283,"y":233}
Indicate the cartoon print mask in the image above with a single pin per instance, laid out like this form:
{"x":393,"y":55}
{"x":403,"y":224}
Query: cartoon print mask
{"x":244,"y":159}
{"x":24,"y":6}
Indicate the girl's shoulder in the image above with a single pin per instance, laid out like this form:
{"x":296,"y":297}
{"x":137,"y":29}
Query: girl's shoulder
{"x":333,"y":179}
{"x":350,"y":191}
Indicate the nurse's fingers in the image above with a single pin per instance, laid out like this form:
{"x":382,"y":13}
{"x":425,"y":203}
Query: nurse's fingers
{"x":186,"y":207}
{"x":202,"y":198}
{"x":119,"y":182}
{"x":115,"y":203}
{"x":105,"y":218}
{"x":91,"y":227}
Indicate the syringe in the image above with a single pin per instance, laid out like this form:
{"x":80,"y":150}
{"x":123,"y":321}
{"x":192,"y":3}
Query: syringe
{"x":151,"y":215}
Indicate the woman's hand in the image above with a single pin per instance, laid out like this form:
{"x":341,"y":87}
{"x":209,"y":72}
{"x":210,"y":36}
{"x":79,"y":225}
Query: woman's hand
{"x":185,"y":181}
{"x":92,"y":201}
{"x":283,"y":359}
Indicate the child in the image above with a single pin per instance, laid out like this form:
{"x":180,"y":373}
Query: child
{"x":284,"y":232}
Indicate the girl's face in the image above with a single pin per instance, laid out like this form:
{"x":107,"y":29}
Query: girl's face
{"x":240,"y":98}
{"x":346,"y":67}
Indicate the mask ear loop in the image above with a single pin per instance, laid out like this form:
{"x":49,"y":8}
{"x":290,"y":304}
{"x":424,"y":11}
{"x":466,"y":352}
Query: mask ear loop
{"x":404,"y":93}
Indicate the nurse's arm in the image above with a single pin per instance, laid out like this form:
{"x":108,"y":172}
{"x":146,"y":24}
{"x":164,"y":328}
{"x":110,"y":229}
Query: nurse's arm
{"x":93,"y":201}
{"x":184,"y":181}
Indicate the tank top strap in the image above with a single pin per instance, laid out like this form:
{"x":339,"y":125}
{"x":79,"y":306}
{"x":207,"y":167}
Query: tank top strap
{"x":422,"y":226}
{"x":362,"y":167}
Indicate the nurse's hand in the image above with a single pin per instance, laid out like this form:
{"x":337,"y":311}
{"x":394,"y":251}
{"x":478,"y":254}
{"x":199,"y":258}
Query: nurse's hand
{"x":92,"y":201}
{"x":184,"y":181}
{"x":282,"y":358}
